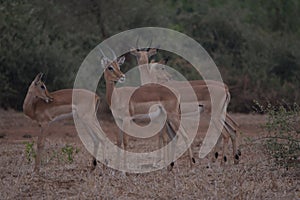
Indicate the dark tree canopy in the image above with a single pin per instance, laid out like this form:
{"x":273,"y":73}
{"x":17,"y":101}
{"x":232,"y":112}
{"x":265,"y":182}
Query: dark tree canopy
{"x":255,"y":43}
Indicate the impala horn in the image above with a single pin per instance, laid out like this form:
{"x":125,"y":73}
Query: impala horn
{"x":137,"y":43}
{"x":113,"y":53}
{"x":149,"y":45}
{"x":102,"y":53}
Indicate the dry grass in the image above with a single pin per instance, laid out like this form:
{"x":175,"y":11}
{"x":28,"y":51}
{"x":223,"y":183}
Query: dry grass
{"x":256,"y":177}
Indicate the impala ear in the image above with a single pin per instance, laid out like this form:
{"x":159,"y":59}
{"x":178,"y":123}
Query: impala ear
{"x":104,"y":62}
{"x":121,"y":60}
{"x":152,"y":52}
{"x":38,"y":77}
{"x":134,"y":51}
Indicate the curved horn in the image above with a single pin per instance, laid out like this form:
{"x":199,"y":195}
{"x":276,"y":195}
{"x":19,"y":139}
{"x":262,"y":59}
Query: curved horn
{"x":41,"y":76}
{"x":113,"y":53}
{"x":149,"y":45}
{"x":102,"y":52}
{"x":137,"y":43}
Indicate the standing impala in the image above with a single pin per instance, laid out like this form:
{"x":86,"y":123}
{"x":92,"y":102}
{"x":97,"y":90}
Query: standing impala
{"x":153,"y":72}
{"x":123,"y":105}
{"x":45,"y":108}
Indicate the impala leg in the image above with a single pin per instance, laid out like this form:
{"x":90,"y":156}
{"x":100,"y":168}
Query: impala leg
{"x":235,"y":129}
{"x":125,"y":147}
{"x":183,"y":132}
{"x":103,"y":144}
{"x":233,"y":135}
{"x":91,"y":128}
{"x":96,"y":142}
{"x":122,"y":144}
{"x":171,"y":149}
{"x":217,"y":123}
{"x":217,"y":149}
{"x":238,"y":152}
{"x":232,"y":120}
{"x":40,"y":146}
{"x":162,"y":142}
{"x":160,"y":155}
{"x":225,"y":147}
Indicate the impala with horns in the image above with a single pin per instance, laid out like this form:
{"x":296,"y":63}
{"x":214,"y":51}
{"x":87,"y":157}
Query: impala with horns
{"x":45,"y":108}
{"x":143,"y":55}
{"x":124,"y":105}
{"x":156,"y":73}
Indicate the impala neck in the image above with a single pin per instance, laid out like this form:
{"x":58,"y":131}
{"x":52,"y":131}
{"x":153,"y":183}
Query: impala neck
{"x":145,"y":74}
{"x":29,"y":104}
{"x":110,"y":86}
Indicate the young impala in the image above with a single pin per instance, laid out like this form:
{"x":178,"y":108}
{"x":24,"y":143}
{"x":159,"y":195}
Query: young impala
{"x":45,"y":108}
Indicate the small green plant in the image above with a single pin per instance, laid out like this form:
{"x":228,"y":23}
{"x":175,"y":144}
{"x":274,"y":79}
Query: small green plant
{"x":69,"y":151}
{"x":283,"y":139}
{"x":29,"y":151}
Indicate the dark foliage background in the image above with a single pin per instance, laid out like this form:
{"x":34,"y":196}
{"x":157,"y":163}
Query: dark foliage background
{"x":255,"y":43}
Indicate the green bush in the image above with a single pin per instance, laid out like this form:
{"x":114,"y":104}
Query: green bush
{"x":30,"y":153}
{"x":69,"y":151}
{"x":283,"y":139}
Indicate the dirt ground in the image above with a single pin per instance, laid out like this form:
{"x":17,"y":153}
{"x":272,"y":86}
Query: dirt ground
{"x":255,"y":177}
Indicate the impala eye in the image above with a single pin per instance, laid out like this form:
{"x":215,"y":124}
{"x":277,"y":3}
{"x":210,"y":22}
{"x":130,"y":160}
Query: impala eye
{"x":110,"y":68}
{"x":43,"y":87}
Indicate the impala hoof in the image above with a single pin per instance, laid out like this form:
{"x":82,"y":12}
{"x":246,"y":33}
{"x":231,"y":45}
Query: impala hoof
{"x":170,"y":167}
{"x":172,"y":164}
{"x":236,"y":157}
{"x":239,"y":152}
{"x":94,"y":162}
{"x":216,"y":155}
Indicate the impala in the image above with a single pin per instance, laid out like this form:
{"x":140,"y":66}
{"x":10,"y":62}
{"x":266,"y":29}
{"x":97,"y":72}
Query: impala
{"x":154,"y":72}
{"x":45,"y":108}
{"x":124,"y":105}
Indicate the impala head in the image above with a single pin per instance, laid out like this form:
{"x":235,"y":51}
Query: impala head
{"x":39,"y":90}
{"x":143,"y":54}
{"x":112,"y":72}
